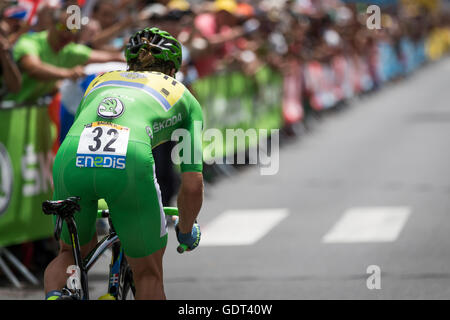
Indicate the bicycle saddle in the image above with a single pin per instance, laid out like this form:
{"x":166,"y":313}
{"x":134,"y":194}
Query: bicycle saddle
{"x":61,"y":208}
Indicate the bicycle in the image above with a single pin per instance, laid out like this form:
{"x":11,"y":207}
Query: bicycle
{"x":120,"y":274}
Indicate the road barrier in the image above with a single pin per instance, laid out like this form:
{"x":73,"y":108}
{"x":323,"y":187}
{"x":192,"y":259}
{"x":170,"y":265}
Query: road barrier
{"x":26,"y":161}
{"x":232,"y":100}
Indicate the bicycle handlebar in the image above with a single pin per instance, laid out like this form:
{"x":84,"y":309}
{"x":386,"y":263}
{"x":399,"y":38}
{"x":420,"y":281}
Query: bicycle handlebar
{"x":170,"y":211}
{"x":182,"y":248}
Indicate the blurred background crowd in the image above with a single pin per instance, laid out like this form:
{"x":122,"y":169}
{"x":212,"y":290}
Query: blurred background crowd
{"x":237,"y":35}
{"x":322,"y":51}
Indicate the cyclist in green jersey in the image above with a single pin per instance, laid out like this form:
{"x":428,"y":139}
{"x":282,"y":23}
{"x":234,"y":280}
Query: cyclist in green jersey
{"x":107,"y":154}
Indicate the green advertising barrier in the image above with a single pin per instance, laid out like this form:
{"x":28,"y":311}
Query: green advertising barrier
{"x":25,"y":174}
{"x":233,"y":100}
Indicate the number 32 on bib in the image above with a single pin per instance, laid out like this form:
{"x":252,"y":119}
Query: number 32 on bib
{"x":103,"y":145}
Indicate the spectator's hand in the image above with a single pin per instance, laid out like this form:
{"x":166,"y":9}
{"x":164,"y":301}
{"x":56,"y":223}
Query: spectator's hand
{"x":76,"y":72}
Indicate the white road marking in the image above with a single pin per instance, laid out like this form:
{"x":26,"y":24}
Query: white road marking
{"x":241,"y":227}
{"x":447,"y":65}
{"x":368,"y":224}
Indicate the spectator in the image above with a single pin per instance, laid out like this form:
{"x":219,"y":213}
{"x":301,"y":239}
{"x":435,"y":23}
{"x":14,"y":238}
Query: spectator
{"x":44,"y":18}
{"x":104,"y":28}
{"x":11,"y":78}
{"x":13,"y":23}
{"x":219,"y":29}
{"x":104,"y":12}
{"x":45,"y":57}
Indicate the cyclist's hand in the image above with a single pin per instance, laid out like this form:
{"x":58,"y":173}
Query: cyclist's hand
{"x":192,"y":239}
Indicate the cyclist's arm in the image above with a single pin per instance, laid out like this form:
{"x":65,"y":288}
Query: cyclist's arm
{"x":190,"y":196}
{"x":190,"y":199}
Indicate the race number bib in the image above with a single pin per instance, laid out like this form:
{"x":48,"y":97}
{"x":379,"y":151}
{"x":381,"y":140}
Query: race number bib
{"x":103,"y":145}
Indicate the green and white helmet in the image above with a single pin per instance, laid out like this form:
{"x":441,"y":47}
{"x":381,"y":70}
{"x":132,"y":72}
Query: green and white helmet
{"x":162,"y":45}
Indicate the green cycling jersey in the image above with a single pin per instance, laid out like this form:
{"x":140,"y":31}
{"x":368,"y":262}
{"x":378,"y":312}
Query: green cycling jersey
{"x":107,"y":154}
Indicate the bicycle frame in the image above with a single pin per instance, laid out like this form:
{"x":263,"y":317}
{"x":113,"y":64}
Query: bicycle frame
{"x":117,"y":259}
{"x":85,"y":264}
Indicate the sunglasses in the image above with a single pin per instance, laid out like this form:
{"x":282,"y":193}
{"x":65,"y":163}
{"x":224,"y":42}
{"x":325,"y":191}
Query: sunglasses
{"x":155,"y":50}
{"x":61,"y":27}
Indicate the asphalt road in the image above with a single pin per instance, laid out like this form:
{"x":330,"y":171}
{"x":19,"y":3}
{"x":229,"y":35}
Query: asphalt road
{"x":384,"y":152}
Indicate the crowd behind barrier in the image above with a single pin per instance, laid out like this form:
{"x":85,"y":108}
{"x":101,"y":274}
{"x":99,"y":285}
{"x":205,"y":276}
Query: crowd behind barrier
{"x":255,"y":71}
